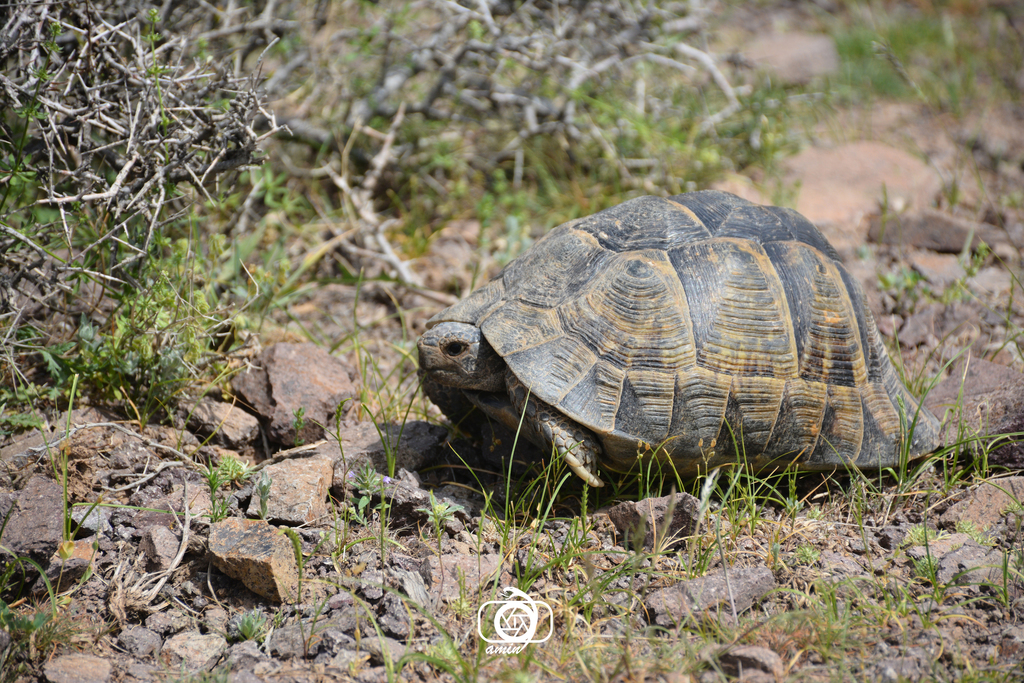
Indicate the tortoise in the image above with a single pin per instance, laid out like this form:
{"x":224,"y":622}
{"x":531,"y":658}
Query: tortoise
{"x":699,"y":329}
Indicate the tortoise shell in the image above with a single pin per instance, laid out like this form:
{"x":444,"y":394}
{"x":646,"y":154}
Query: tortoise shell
{"x":705,"y":329}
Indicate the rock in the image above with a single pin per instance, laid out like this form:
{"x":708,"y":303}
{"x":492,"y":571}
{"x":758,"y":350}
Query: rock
{"x":288,"y":642}
{"x":159,"y":545}
{"x":167,"y":623}
{"x":891,"y":537}
{"x":36,"y":527}
{"x":193,"y":651}
{"x":649,"y":518}
{"x":77,"y":668}
{"x":198,"y":504}
{"x":910,"y":668}
{"x":298,"y":491}
{"x":474,"y":572}
{"x":933,"y":323}
{"x":397,"y":617}
{"x":687,"y":600}
{"x":938,"y":547}
{"x":927,"y":228}
{"x":971,"y":564}
{"x":247,"y":656}
{"x":63,"y":573}
{"x":794,"y":58}
{"x":361,"y":443}
{"x":290,"y":377}
{"x":411,"y":584}
{"x":256,"y":554}
{"x":139,"y":641}
{"x":228,"y":424}
{"x":841,"y":185}
{"x":381,"y":649}
{"x":741,"y":659}
{"x":985,"y":504}
{"x":839,"y":566}
{"x":94,"y":520}
{"x":992,"y":404}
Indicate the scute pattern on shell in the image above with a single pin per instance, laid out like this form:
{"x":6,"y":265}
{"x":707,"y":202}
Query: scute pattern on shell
{"x":704,"y":324}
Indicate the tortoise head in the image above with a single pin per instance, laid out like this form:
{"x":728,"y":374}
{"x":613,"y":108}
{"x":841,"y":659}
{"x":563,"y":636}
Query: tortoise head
{"x":457,"y":355}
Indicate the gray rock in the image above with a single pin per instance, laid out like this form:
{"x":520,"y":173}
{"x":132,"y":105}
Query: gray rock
{"x":167,"y":623}
{"x":972,"y":565}
{"x":648,"y":520}
{"x":247,"y":656}
{"x":371,"y":585}
{"x":36,"y":527}
{"x":193,"y":651}
{"x":891,"y":537}
{"x":256,"y":554}
{"x":229,"y":425}
{"x":159,"y":545}
{"x":445,"y":572}
{"x":139,"y":641}
{"x":290,"y":641}
{"x":95,"y":520}
{"x":335,"y":640}
{"x":912,"y":667}
{"x":411,"y":584}
{"x":289,"y":377}
{"x":688,"y":600}
{"x":77,"y":668}
{"x":381,"y":648}
{"x":933,"y":322}
{"x":361,"y":442}
{"x":740,"y":660}
{"x":397,"y":617}
{"x":982,"y":398}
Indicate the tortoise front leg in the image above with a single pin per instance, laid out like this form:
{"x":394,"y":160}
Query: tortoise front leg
{"x":576,"y":444}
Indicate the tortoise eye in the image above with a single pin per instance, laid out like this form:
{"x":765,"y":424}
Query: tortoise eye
{"x":454,"y":348}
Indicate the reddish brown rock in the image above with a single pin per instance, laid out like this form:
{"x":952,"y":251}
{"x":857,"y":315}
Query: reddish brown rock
{"x":256,"y":554}
{"x":77,"y":668}
{"x":36,"y":526}
{"x":649,"y":522}
{"x":289,"y":377}
{"x":984,"y":399}
{"x":927,"y":228}
{"x":228,"y":424}
{"x":986,"y":503}
{"x":298,"y":491}
{"x":841,"y":185}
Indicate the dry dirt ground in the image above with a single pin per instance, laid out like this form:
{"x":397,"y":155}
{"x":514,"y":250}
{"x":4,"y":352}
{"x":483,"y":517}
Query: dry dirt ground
{"x":809,"y":578}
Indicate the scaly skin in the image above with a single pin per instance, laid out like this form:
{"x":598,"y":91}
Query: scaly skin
{"x":573,"y":442}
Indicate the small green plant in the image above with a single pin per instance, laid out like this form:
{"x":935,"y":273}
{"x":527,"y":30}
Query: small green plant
{"x":806,"y":553}
{"x":298,"y":423}
{"x":253,"y":625}
{"x":920,"y":534}
{"x":439,"y":514}
{"x":971,"y":529}
{"x":300,"y":558}
{"x":219,"y":503}
{"x":262,"y":491}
